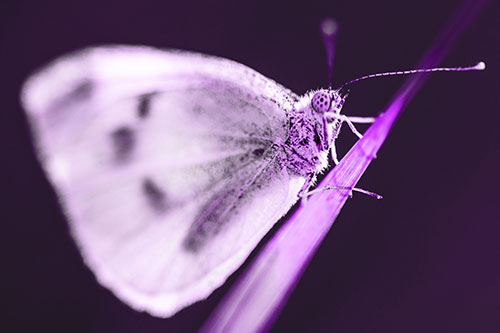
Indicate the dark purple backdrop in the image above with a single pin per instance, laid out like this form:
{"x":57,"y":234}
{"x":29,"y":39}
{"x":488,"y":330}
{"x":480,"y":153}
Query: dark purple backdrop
{"x":426,"y":258}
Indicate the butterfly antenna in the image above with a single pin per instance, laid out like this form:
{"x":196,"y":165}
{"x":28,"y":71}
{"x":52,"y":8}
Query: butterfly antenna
{"x":478,"y":67}
{"x":328,"y":29}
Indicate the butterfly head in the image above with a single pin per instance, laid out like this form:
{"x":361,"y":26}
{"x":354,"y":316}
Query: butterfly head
{"x":326,"y":101}
{"x":322,"y":108}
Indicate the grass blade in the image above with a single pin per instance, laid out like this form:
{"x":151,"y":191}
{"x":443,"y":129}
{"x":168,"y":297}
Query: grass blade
{"x":258,"y":296}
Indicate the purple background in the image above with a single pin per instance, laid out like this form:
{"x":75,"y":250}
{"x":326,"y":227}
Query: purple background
{"x":426,"y":258}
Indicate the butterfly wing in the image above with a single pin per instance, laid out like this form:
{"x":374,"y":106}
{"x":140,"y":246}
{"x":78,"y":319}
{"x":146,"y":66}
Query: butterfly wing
{"x":166,"y":164}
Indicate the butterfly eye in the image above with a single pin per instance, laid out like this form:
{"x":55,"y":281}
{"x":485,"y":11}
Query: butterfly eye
{"x":321,"y":101}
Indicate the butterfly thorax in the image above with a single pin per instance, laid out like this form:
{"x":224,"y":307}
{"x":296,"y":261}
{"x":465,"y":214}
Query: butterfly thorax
{"x":306,"y":147}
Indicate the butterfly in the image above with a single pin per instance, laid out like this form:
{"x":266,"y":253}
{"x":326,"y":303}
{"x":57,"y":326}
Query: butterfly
{"x":171,"y":166}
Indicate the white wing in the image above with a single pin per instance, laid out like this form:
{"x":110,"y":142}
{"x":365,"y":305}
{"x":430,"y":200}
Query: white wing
{"x":164,"y":164}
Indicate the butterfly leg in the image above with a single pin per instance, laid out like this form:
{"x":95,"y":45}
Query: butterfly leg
{"x":351,"y":120}
{"x":333,"y":151}
{"x":304,"y":191}
{"x":351,"y":126}
{"x":359,"y":120}
{"x":351,"y":189}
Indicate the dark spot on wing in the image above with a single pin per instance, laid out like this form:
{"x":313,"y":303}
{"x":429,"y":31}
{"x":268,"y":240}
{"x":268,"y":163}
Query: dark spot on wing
{"x":155,"y":196}
{"x":197,"y":109}
{"x":123,"y":140}
{"x":83,"y":90}
{"x":78,"y":93}
{"x":144,"y":105}
{"x":258,"y":152}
